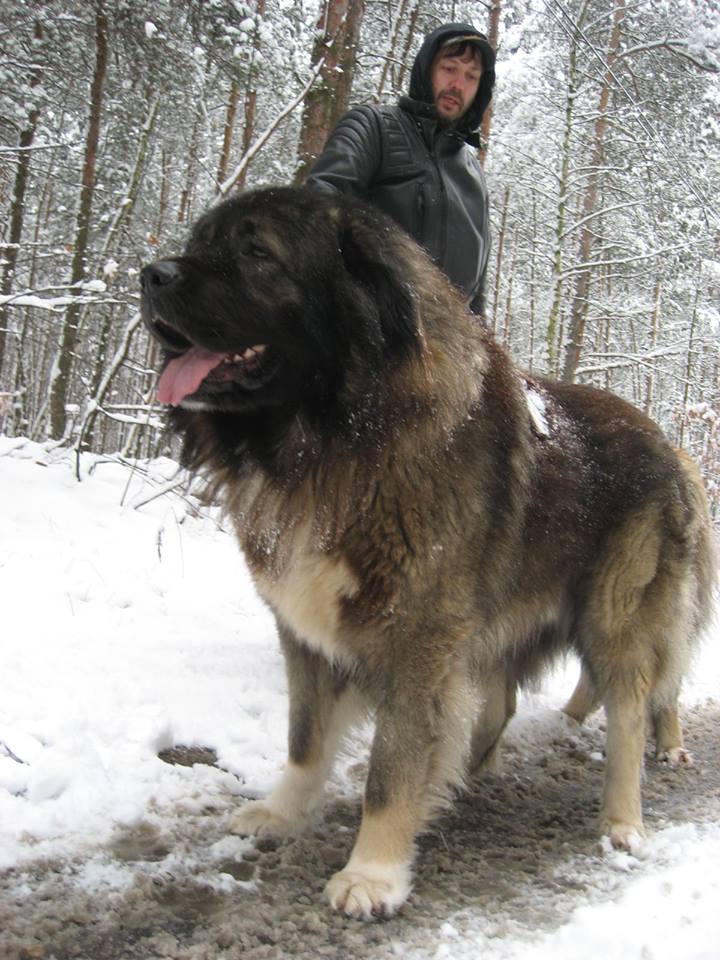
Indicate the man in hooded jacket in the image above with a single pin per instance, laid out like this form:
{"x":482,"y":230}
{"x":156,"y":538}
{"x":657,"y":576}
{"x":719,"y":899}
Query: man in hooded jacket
{"x":417,"y":161}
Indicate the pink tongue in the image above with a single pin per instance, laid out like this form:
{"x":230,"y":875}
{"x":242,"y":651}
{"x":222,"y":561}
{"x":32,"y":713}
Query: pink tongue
{"x":184,"y":375}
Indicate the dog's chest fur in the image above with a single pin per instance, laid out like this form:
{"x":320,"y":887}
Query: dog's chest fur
{"x":307,"y":590}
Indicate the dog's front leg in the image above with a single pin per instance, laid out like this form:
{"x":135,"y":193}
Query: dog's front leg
{"x":416,"y":751}
{"x":319,"y":714}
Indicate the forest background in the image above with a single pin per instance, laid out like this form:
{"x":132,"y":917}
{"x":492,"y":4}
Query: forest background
{"x":121,"y":121}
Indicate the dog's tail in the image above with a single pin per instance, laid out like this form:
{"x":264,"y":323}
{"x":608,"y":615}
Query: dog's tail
{"x":701,"y":536}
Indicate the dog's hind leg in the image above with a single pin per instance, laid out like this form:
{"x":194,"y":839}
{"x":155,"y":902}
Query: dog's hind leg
{"x":631,"y":635}
{"x":584,"y":699}
{"x":321,"y":710}
{"x":669,"y":747}
{"x":626,"y":711}
{"x":667,"y":730}
{"x":499,"y":708}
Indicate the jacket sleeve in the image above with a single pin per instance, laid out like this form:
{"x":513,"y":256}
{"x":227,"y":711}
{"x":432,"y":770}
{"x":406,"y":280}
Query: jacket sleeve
{"x":351,"y":157}
{"x":477,"y":299}
{"x":477,"y":304}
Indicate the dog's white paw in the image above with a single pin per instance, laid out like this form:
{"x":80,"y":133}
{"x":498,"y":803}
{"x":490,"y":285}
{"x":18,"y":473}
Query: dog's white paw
{"x":676,"y":757}
{"x":369,"y":891}
{"x":258,"y":819}
{"x":622,"y":836}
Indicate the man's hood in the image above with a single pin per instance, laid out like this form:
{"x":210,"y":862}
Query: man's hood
{"x":421,"y":85}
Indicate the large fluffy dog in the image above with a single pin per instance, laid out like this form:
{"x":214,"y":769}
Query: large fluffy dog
{"x":428,"y":525}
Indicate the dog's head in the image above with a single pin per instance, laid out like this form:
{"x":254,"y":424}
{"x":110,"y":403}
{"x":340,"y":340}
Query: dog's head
{"x":280,"y":298}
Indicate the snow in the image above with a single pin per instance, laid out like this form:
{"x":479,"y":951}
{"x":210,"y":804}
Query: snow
{"x":48,"y":303}
{"x":111,"y":657}
{"x":130,"y":625}
{"x":110,"y":268}
{"x":94,"y":286}
{"x":664,"y":916}
{"x":537,"y":406}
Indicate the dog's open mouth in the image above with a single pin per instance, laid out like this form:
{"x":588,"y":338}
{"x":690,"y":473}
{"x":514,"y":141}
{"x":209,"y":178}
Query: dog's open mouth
{"x":197,"y":368}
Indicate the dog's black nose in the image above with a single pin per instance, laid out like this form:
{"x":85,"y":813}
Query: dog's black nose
{"x":160,"y":274}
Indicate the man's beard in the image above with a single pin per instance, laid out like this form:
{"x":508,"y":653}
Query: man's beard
{"x":449,"y":121}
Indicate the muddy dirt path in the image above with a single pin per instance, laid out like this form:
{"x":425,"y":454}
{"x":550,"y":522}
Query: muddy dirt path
{"x":512,"y":859}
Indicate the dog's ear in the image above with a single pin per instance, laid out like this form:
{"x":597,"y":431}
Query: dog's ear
{"x":378,"y":283}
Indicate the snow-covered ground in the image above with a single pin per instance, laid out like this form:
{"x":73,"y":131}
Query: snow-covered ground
{"x":130,"y":626}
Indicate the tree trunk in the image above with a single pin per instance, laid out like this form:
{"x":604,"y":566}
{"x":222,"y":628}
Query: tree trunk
{"x":60,"y":380}
{"x":533,"y":284}
{"x":579,"y":306}
{"x":251,"y":95}
{"x":122,"y":217}
{"x":508,"y":302}
{"x":493,"y":34}
{"x":563,"y":192}
{"x":328,"y":99}
{"x":228,"y":130}
{"x":499,"y":258}
{"x":391,"y":53}
{"x":184,"y":210}
{"x":348,"y":40}
{"x":111,"y":369}
{"x":654,"y":329}
{"x":405,"y":58}
{"x":688,"y":370}
{"x":163,"y":195}
{"x":17,"y":206}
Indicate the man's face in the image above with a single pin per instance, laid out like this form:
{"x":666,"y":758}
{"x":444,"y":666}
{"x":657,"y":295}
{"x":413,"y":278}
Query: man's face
{"x":455,"y":81}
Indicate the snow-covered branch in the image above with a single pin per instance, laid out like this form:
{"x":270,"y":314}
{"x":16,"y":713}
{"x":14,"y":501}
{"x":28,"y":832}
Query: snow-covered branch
{"x":701,"y":56}
{"x":92,"y":289}
{"x":619,"y":261}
